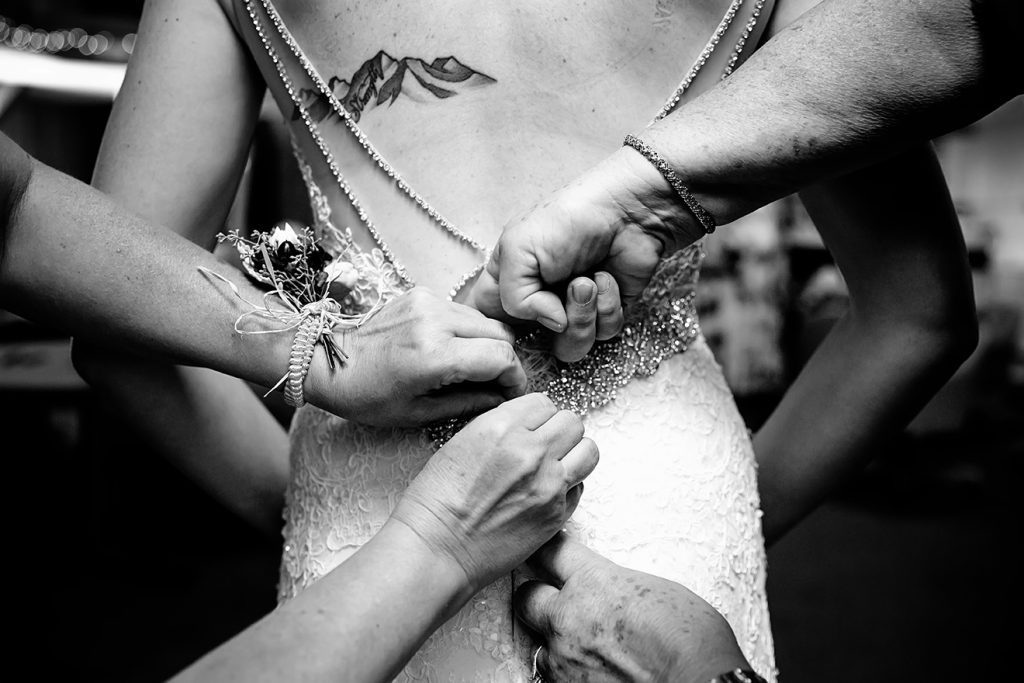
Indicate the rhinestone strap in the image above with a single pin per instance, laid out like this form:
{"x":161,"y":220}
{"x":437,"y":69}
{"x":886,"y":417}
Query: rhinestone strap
{"x":702,"y":59}
{"x":737,"y":51}
{"x":705,"y":54}
{"x":705,"y":218}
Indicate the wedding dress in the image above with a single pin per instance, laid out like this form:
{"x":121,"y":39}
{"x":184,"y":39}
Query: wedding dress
{"x":675,"y":493}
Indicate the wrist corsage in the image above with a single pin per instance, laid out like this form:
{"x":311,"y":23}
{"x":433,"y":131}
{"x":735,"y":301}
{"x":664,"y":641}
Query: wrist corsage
{"x":307,"y":284}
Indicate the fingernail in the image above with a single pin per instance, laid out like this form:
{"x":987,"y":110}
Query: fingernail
{"x":550,"y":323}
{"x":604,"y":281}
{"x":583,"y":292}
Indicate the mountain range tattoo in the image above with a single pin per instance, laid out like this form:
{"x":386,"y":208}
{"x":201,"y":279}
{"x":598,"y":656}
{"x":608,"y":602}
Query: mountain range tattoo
{"x":382,"y":78}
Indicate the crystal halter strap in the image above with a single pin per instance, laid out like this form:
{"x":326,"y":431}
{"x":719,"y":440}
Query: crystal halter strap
{"x":386,"y":167}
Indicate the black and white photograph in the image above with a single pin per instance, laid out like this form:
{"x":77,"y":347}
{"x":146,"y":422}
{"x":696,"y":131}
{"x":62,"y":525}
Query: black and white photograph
{"x":472,"y":342}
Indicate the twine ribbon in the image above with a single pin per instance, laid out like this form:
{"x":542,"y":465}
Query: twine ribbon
{"x":317,"y":320}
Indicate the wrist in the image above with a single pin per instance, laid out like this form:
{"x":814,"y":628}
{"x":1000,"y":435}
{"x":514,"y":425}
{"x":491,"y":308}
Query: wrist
{"x":647,"y":201}
{"x":325,"y":386}
{"x":451,"y":578}
{"x":711,"y":651}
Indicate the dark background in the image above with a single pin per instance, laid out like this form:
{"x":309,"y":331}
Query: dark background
{"x":123,"y":570}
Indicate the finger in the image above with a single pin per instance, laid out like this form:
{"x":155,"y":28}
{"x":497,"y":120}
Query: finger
{"x":470,"y":323}
{"x":581,"y":314}
{"x":456,"y":404}
{"x":562,"y":556}
{"x":561,"y":433}
{"x":580,"y":461}
{"x":610,"y":318}
{"x":522,"y":290}
{"x":484,"y":360}
{"x":493,"y":266}
{"x":529,"y":411}
{"x":534,"y":602}
{"x":572,"y":499}
{"x":485,"y":296}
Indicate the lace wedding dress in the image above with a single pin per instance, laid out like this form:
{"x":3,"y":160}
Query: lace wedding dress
{"x":675,"y":493}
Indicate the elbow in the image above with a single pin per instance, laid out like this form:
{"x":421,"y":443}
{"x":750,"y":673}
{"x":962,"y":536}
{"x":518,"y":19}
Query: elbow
{"x":936,"y":335}
{"x":943,"y":341}
{"x":956,"y":332}
{"x":952,"y":347}
{"x":965,"y":341}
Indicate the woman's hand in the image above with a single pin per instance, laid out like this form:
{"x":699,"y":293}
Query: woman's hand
{"x":501,"y":487}
{"x":620,"y":217}
{"x":420,"y":359}
{"x":593,"y":312}
{"x":602,"y":622}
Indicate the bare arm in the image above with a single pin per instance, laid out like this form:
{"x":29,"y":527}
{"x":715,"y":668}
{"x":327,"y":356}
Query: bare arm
{"x":849,"y":83}
{"x":893,"y":232}
{"x":488,"y":498}
{"x":83,"y":264}
{"x":173,"y":153}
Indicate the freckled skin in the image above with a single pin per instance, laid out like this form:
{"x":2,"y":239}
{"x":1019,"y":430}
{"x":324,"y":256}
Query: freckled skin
{"x":659,"y":630}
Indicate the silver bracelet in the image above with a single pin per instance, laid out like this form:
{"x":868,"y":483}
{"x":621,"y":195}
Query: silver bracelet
{"x":703,"y":216}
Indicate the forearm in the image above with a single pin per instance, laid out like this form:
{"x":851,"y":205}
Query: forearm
{"x":211,"y":427}
{"x":83,"y":264}
{"x":861,"y":387}
{"x":79,"y":262}
{"x":893,"y":233}
{"x":847,"y":84}
{"x":361,"y":622}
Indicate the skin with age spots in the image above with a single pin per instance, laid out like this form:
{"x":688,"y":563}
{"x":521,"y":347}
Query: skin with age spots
{"x":659,"y":631}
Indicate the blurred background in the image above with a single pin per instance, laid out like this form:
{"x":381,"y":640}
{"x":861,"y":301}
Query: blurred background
{"x":125,"y":571}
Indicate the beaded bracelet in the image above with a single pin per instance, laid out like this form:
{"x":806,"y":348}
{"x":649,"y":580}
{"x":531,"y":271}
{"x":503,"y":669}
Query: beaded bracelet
{"x":313,"y":326}
{"x":298,"y":363}
{"x":702,"y":215}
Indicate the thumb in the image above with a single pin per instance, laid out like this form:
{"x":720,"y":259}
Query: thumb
{"x":561,"y":557}
{"x":485,"y":296}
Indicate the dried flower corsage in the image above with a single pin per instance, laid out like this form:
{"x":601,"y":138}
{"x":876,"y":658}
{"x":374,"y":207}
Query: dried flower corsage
{"x":304,"y":278}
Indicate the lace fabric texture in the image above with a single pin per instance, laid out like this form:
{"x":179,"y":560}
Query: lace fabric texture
{"x":675,"y":493}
